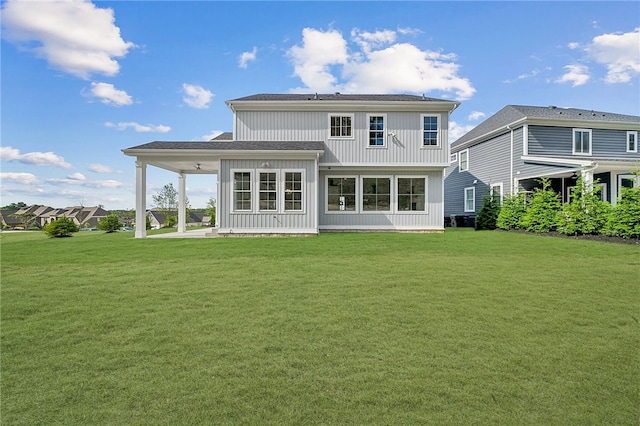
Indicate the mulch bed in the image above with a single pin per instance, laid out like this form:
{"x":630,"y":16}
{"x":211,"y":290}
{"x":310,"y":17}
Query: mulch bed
{"x":616,"y":240}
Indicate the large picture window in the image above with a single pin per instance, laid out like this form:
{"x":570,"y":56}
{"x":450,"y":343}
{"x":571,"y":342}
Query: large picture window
{"x":341,"y":194}
{"x":340,"y":126}
{"x":293,"y":191}
{"x":582,"y":141}
{"x":376,"y":194}
{"x":411,"y":194}
{"x":376,"y":130}
{"x":242,"y":191}
{"x":268,"y":194}
{"x":429,"y":130}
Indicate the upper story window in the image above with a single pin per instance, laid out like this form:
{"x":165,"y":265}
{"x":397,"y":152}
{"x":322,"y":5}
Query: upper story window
{"x":429,"y":130}
{"x":341,"y":126}
{"x":582,"y":141}
{"x":463,"y":161}
{"x":453,"y":158}
{"x":632,"y":141}
{"x":376,"y":130}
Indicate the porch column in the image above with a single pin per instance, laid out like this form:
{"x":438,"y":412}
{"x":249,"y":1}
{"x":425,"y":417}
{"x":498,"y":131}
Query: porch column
{"x":182,"y":216}
{"x":141,"y":199}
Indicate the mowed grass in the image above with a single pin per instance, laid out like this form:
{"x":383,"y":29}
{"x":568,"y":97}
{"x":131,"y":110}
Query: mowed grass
{"x":463,"y":327}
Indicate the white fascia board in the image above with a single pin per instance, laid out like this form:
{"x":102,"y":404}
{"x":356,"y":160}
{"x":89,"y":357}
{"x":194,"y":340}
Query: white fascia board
{"x":329,"y":106}
{"x":223,"y":153}
{"x":557,"y":161}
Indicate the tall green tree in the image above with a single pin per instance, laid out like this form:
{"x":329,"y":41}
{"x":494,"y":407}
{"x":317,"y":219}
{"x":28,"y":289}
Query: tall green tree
{"x":543,"y":209}
{"x":211,"y":210}
{"x":14,"y":206}
{"x":111,"y":223}
{"x":586,"y":213}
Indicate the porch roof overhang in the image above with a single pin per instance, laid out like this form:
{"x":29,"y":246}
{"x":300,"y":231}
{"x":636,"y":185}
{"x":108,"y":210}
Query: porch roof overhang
{"x":204,"y":157}
{"x":571,"y":165}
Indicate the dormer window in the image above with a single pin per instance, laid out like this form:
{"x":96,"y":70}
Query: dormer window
{"x":582,"y":141}
{"x":340,"y":126}
{"x":632,"y":141}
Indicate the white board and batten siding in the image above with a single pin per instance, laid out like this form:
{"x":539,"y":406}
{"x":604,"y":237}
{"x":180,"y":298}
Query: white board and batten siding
{"x":267,"y":222}
{"x":403,"y":149}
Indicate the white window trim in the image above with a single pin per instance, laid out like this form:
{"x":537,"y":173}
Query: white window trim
{"x":391,"y":195}
{"x":394,"y":201}
{"x":453,"y":158}
{"x":501,"y":186}
{"x":460,"y":169}
{"x":573,"y":141}
{"x":473,"y":190}
{"x":326,"y":194}
{"x":603,"y":190}
{"x":233,"y":192}
{"x":257,"y":185}
{"x":438,"y":132}
{"x":635,"y":144}
{"x":329,"y":137}
{"x":384,"y":131}
{"x":282,"y":184}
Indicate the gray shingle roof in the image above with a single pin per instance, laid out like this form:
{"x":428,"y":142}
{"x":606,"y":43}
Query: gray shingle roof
{"x":236,"y":146}
{"x":513,"y":113}
{"x":336,"y":97}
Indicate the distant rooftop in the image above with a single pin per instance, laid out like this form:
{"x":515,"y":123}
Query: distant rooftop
{"x":336,"y":97}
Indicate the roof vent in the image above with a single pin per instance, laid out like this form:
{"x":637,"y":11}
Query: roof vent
{"x":337,"y":93}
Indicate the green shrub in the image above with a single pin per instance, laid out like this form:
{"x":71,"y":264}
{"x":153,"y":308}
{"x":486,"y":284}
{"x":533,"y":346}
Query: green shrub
{"x":62,"y":227}
{"x":111,"y":223}
{"x":512,"y":210}
{"x":624,"y":219}
{"x":542,"y":209}
{"x":488,"y":214}
{"x":585,"y":214}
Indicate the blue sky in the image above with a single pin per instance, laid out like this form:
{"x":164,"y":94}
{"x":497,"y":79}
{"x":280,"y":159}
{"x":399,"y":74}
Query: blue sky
{"x":83,"y":80}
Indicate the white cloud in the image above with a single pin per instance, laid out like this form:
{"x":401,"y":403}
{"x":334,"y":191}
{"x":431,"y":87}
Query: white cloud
{"x":573,"y":45}
{"x":139,"y":127}
{"x":246,"y":57}
{"x":21,"y":178}
{"x":409,"y":31}
{"x":82,"y":181}
{"x":77,"y":176}
{"x":377,"y":64}
{"x":619,"y":52}
{"x":8,"y":153}
{"x":577,"y":75}
{"x":196,"y":96}
{"x":99,"y":168}
{"x":456,"y":130}
{"x":74,"y":36}
{"x":476,"y":115}
{"x":109,"y":95}
{"x":213,"y":134}
{"x":319,"y":51}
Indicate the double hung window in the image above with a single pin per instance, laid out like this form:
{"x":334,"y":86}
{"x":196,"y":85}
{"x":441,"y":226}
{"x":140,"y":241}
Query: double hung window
{"x":293,"y":191}
{"x":470,"y":199}
{"x":429,"y":130}
{"x":376,"y":130}
{"x":632,"y":141}
{"x":463,"y":161}
{"x":411,"y":194}
{"x":582,"y":141}
{"x":242,"y":191}
{"x":341,"y":194}
{"x":268,"y":192}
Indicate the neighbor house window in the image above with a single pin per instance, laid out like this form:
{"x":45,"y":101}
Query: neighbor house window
{"x":340,"y":126}
{"x":268,"y":195}
{"x":429,"y":130}
{"x":453,"y":158}
{"x":376,"y":194}
{"x":632,"y":141}
{"x":463,"y":161}
{"x":376,"y":130}
{"x":470,"y":199}
{"x":496,"y":192}
{"x":411,"y":194}
{"x":242,"y":191}
{"x":582,"y":141}
{"x":341,"y":194}
{"x":293,"y":191}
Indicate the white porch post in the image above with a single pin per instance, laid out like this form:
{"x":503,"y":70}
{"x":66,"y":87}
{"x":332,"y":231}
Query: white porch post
{"x":141,"y":199}
{"x":182,"y":214}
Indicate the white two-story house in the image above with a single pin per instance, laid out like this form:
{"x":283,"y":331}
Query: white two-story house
{"x":301,"y":164}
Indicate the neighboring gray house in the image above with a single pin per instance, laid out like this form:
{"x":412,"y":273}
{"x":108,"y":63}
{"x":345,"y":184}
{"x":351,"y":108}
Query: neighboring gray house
{"x":301,"y":164}
{"x":514,"y":148}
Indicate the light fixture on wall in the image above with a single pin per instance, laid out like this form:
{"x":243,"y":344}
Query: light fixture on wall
{"x":475,"y":181}
{"x":198,"y":166}
{"x":265,"y":165}
{"x":574,"y":176}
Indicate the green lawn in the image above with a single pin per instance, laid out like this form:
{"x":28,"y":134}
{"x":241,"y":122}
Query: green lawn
{"x":465,"y":327}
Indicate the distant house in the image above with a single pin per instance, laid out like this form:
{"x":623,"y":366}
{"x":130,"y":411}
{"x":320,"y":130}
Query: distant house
{"x":34,"y":213}
{"x":305,"y":163}
{"x":513,"y":149}
{"x":81,"y":216}
{"x":157,"y":219}
{"x":10,"y":220}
